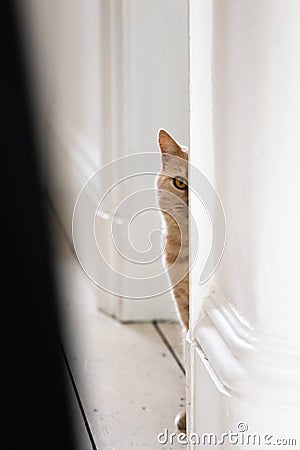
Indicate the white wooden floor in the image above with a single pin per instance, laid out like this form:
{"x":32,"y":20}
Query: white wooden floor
{"x":126,"y":380}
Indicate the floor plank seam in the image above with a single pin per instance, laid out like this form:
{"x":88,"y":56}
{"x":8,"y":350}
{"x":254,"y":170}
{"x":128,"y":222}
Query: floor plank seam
{"x":168,"y":345}
{"x":87,"y":426}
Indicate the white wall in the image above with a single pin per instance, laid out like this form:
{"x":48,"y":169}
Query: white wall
{"x":245,"y":109}
{"x":110,"y":74}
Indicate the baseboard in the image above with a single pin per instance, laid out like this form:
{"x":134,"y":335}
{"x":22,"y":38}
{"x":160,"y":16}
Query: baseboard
{"x":239,"y":379}
{"x":240,"y":359}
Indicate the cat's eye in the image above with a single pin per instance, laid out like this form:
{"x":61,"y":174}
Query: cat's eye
{"x":179,"y":183}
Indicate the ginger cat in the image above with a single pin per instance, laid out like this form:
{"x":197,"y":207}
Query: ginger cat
{"x":173,"y":202}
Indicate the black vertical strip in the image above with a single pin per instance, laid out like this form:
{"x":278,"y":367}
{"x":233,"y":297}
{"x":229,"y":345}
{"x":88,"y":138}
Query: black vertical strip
{"x":34,"y":402}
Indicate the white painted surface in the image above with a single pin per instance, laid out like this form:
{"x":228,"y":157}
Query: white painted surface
{"x":244,"y":344}
{"x":256,"y":108}
{"x":109,"y":75}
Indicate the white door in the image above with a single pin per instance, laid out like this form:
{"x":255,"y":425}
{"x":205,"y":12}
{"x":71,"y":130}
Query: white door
{"x":244,"y":342}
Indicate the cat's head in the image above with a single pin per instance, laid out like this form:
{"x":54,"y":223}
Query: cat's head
{"x":173,"y":177}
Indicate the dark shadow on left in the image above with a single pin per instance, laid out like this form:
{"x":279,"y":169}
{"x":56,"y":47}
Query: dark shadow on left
{"x":34,"y":400}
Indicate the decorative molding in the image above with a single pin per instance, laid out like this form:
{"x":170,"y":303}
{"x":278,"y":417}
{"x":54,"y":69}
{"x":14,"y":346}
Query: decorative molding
{"x":243,"y":361}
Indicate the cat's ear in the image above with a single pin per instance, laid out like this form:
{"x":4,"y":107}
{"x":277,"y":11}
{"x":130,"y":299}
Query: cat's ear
{"x":167,"y":144}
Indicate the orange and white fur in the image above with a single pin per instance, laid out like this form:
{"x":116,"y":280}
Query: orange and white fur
{"x":173,"y":202}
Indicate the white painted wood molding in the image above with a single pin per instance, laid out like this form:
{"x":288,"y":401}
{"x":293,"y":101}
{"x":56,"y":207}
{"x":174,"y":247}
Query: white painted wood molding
{"x":236,"y":374}
{"x":243,"y":361}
